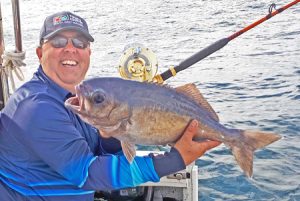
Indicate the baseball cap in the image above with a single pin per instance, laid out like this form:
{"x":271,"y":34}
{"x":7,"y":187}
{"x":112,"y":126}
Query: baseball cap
{"x":62,"y":21}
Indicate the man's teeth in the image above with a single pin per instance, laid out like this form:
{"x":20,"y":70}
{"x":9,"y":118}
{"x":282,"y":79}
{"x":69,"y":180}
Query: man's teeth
{"x":69,"y":62}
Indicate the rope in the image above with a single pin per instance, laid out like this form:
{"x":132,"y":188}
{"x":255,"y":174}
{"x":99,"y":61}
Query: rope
{"x":12,"y":61}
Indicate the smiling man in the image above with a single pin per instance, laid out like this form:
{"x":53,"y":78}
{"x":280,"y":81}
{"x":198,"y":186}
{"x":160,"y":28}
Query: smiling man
{"x":64,"y":51}
{"x":48,"y":153}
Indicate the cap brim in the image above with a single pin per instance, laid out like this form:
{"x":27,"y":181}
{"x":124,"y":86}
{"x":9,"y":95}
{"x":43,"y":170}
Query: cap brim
{"x":83,"y":32}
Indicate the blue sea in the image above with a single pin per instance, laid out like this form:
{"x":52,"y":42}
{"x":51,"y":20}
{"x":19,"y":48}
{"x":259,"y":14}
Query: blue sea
{"x":252,"y":83}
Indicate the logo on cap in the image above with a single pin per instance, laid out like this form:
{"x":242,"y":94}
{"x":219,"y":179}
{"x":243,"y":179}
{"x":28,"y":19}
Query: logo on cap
{"x":67,"y":19}
{"x":60,"y":19}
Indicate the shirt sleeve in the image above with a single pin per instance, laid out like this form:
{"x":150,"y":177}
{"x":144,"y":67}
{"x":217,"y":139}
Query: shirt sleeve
{"x":114,"y":172}
{"x":162,"y":162}
{"x":120,"y":174}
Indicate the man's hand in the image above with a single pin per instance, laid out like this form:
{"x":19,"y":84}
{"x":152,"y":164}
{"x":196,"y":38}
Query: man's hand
{"x":191,"y":150}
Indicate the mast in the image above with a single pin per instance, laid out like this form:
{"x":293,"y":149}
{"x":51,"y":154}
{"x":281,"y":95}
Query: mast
{"x":17,"y":25}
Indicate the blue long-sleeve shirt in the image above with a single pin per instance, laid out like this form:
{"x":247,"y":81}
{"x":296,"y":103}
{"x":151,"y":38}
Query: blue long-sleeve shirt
{"x":48,"y":153}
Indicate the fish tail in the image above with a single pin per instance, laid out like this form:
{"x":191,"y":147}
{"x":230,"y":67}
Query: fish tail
{"x":252,"y":140}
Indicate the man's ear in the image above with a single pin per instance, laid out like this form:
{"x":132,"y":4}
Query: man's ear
{"x":39,"y":53}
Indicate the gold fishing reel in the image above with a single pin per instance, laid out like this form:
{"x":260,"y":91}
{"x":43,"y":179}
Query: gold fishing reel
{"x":138,"y":63}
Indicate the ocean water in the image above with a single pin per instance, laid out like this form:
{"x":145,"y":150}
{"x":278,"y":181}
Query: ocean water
{"x":252,"y":83}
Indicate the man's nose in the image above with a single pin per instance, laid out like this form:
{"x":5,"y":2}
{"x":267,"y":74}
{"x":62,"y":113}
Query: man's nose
{"x":70,"y":45}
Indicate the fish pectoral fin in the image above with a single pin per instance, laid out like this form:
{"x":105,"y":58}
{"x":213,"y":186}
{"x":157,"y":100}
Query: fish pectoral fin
{"x":128,"y":150}
{"x":193,"y":92}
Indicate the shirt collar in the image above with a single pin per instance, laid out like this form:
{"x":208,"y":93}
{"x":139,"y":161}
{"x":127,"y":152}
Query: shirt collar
{"x":40,"y":74}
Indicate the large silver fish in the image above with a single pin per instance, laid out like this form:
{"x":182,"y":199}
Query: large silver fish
{"x":151,"y":114}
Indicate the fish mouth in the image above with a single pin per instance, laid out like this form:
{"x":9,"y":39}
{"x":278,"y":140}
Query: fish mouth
{"x":80,"y":102}
{"x":73,"y":103}
{"x":82,"y":105}
{"x":76,"y":103}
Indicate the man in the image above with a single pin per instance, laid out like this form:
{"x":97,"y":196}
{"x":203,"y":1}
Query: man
{"x":47,"y":152}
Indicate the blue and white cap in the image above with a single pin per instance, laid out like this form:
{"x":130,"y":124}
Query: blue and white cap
{"x":62,"y":21}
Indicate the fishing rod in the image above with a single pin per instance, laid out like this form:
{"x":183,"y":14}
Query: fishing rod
{"x":173,"y":70}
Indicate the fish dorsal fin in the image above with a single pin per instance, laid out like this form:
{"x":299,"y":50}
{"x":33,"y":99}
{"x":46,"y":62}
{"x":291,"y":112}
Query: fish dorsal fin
{"x":191,"y":91}
{"x":128,"y":150}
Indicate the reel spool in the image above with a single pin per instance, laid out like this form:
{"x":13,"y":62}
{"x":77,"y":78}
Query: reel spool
{"x":138,"y":63}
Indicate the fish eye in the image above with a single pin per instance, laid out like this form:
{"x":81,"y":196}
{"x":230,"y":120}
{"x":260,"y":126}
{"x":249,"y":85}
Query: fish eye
{"x":98,"y":98}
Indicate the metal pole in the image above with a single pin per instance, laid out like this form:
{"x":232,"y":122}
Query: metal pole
{"x":17,"y":24}
{"x":1,"y":36}
{"x":1,"y":61}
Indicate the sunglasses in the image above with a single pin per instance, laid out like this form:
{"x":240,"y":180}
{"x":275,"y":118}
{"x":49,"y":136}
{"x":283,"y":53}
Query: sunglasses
{"x":61,"y":42}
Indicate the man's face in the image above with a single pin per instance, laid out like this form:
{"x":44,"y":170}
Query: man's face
{"x":66,"y":66}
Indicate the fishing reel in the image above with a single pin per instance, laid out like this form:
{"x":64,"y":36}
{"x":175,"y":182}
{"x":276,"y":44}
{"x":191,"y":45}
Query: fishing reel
{"x":138,"y":63}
